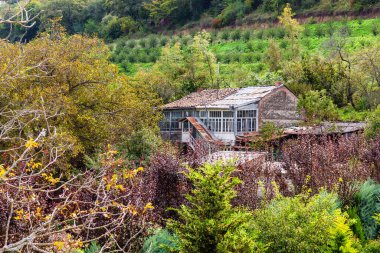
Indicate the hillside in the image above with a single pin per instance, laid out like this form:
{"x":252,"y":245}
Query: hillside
{"x":246,"y":47}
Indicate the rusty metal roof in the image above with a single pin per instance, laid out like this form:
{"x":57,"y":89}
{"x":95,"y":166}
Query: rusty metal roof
{"x":203,"y":131}
{"x":327,"y":128}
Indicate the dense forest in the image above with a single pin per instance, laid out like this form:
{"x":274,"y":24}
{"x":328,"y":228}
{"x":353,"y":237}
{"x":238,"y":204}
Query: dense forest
{"x":83,"y":167}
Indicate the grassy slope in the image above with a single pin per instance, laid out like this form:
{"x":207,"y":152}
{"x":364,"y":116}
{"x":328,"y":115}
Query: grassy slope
{"x":233,"y":49}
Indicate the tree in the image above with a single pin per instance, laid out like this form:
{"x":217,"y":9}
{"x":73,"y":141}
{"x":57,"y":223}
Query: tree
{"x":316,"y":107}
{"x":292,"y":27}
{"x":160,"y":10}
{"x":47,"y":209}
{"x":201,"y":63}
{"x":274,"y":56}
{"x":373,"y":121}
{"x":305,"y":224}
{"x":17,"y":13}
{"x":209,"y":223}
{"x":96,"y":105}
{"x":180,"y":71}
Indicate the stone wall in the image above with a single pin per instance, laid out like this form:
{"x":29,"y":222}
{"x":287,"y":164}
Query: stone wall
{"x":279,"y":107}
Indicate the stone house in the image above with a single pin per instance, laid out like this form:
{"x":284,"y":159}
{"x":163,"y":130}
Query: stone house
{"x":219,"y":116}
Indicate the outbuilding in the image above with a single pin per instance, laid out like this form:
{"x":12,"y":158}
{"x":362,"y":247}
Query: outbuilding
{"x":220,"y":115}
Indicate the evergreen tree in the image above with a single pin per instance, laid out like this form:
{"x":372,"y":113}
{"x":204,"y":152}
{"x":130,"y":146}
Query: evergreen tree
{"x":209,"y":223}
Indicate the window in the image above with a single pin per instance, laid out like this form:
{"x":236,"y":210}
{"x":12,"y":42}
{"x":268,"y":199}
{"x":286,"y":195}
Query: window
{"x":215,"y":114}
{"x":217,"y":121}
{"x":246,"y":121}
{"x":165,"y":122}
{"x":170,"y":122}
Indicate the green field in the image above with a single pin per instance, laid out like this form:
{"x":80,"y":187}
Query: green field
{"x":245,"y":48}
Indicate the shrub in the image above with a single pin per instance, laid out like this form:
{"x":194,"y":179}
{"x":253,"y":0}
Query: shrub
{"x":152,"y":41}
{"x":330,"y":28}
{"x":163,"y":41}
{"x":209,"y":223}
{"x":185,"y":40}
{"x":305,"y":224}
{"x":214,"y":36}
{"x":316,"y":106}
{"x":319,"y":31}
{"x":225,"y":35}
{"x":307,"y":32}
{"x":259,"y":46}
{"x":226,"y":58}
{"x":246,"y":58}
{"x":283,"y":44}
{"x":93,"y":248}
{"x":373,"y":127}
{"x":246,"y":35}
{"x":162,"y":241}
{"x":142,"y":144}
{"x":236,"y":35}
{"x":257,"y":57}
{"x":271,"y":33}
{"x":368,"y":201}
{"x":357,"y":226}
{"x":142,"y":43}
{"x":375,"y":28}
{"x":260,"y":34}
{"x":131,"y":44}
{"x":336,"y":164}
{"x":250,"y":46}
{"x":372,"y":246}
{"x":281,"y":33}
{"x":235,"y":57}
{"x":345,"y":30}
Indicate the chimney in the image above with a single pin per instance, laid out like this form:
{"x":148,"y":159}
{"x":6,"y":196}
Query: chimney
{"x":278,"y":83}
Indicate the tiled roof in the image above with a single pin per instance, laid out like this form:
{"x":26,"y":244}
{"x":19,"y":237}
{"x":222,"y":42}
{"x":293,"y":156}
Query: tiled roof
{"x":222,"y":98}
{"x":200,"y":98}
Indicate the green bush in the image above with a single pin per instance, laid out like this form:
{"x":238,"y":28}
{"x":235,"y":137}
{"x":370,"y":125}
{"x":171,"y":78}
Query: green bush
{"x":209,"y":223}
{"x":372,"y":246}
{"x":330,"y":28}
{"x":131,"y":44}
{"x":259,"y":46}
{"x":271,"y":33}
{"x":142,"y":43}
{"x":250,"y":46}
{"x":163,"y":41}
{"x":162,"y":241}
{"x":142,"y":144}
{"x":246,"y":35}
{"x":305,"y":224}
{"x":357,"y":226}
{"x":373,"y":127}
{"x":283,"y":44}
{"x":260,"y":34}
{"x":225,"y":35}
{"x":307,"y":32}
{"x":152,"y":41}
{"x":368,"y":201}
{"x":319,"y":31}
{"x":375,"y":28}
{"x":236,"y":35}
{"x":93,"y":248}
{"x":280,"y":33}
{"x":316,"y":107}
{"x":257,"y":57}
